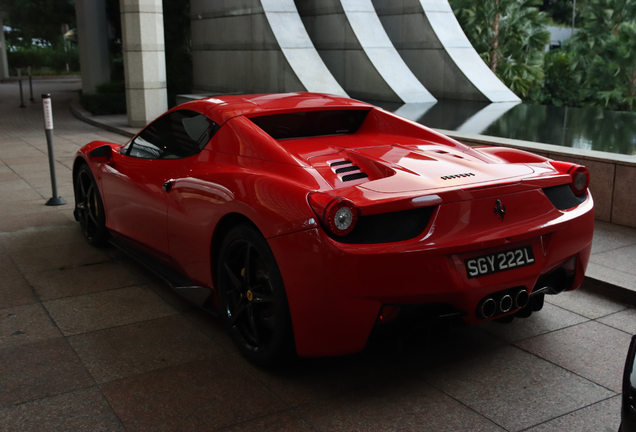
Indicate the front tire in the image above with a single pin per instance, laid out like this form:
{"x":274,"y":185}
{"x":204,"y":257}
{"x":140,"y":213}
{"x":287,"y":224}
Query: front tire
{"x":89,"y":207}
{"x":252,"y":296}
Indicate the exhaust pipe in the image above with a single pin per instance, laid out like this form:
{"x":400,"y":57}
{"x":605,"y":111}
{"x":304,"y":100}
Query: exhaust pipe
{"x":522,"y":298}
{"x":505,"y":304}
{"x":488,"y":307}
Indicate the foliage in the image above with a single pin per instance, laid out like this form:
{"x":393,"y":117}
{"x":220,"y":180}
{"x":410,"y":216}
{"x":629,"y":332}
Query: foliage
{"x":596,"y":67}
{"x":55,"y":58}
{"x":109,"y":98}
{"x":37,"y":19}
{"x":561,"y":11}
{"x":510,"y":36}
{"x":561,"y":86}
{"x":604,"y":54}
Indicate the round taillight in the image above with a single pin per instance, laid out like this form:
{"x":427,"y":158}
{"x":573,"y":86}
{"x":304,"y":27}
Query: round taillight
{"x":580,"y":179}
{"x":341,"y":216}
{"x":338,"y":216}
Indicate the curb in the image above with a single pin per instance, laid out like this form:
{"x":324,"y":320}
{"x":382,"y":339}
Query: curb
{"x":85,"y":116}
{"x":606,"y":289}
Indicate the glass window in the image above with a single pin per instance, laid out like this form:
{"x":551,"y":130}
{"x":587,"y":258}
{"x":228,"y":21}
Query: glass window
{"x":305,"y":124}
{"x":176,"y":135}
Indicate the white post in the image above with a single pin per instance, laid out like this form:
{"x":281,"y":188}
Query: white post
{"x":47,"y":110}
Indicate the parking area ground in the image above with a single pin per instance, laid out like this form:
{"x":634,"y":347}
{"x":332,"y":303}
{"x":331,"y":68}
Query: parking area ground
{"x":91,"y":341}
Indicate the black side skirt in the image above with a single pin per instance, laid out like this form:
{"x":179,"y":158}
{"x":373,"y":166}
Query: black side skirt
{"x":183,"y":286}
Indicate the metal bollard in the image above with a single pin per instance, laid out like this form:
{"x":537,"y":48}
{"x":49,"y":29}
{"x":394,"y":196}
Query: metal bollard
{"x":48,"y":129}
{"x":22,"y":105}
{"x":31,"y":86}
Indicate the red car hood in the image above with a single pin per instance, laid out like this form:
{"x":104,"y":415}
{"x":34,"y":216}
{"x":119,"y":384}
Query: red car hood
{"x":399,"y":168}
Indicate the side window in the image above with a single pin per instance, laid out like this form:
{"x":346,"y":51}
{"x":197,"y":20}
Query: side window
{"x":176,"y":135}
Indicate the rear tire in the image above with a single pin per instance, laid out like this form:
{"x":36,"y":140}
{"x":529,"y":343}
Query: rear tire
{"x":89,"y":207}
{"x":252,"y":296}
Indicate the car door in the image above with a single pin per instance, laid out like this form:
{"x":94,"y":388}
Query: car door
{"x":137,"y":184}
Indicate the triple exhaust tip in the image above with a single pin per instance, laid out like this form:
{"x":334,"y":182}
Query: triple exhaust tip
{"x":488,"y":306}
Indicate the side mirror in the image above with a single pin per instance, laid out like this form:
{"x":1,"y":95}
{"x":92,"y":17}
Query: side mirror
{"x":102,"y":154}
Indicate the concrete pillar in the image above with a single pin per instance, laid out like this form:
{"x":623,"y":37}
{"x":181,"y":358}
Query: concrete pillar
{"x":92,"y":37}
{"x":4,"y":65}
{"x":144,"y":60}
{"x":255,"y":46}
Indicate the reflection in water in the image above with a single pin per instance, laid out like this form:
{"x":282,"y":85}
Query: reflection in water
{"x":414,"y":111}
{"x":486,"y":116}
{"x":583,"y":128}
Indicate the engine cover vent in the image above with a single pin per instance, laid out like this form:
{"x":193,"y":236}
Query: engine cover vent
{"x":454,"y":176}
{"x":340,"y":167}
{"x":355,"y":176}
{"x":347,"y":169}
{"x":337,"y":163}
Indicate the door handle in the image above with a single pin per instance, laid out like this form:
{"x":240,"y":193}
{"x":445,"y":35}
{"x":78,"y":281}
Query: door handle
{"x":167,"y":185}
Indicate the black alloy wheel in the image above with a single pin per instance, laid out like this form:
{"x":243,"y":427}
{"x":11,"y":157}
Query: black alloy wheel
{"x":253,"y":301}
{"x":89,"y":208}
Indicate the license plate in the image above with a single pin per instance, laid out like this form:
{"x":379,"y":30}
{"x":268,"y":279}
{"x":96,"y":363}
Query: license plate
{"x":498,"y":262}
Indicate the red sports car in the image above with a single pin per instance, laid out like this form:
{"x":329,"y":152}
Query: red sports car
{"x":314,"y":222}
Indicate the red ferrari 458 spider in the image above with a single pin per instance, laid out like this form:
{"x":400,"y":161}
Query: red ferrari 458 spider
{"x":314,"y":222}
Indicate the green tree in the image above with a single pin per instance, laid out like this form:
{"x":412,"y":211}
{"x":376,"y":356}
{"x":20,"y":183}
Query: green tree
{"x":604,"y":53}
{"x":37,"y":19}
{"x":561,"y":11}
{"x":561,"y":85}
{"x":510,"y":36}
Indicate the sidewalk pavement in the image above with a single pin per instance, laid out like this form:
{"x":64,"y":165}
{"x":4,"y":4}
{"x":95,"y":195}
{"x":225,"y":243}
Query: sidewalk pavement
{"x":91,"y":341}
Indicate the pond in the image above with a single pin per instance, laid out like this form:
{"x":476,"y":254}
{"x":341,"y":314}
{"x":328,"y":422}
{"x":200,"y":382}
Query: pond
{"x":584,"y":128}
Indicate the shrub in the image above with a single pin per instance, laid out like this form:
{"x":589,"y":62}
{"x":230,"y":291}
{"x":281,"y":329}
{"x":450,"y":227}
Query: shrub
{"x":46,"y":57}
{"x":561,"y":86}
{"x":109,"y":98}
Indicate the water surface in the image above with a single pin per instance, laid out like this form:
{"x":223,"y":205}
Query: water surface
{"x":583,"y":128}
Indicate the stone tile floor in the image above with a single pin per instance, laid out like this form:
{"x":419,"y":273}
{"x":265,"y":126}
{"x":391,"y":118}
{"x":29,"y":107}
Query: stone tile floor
{"x":613,"y":257}
{"x":91,"y":341}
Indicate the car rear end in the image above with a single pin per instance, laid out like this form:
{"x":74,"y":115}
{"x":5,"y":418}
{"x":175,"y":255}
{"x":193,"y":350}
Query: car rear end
{"x":475,"y":251}
{"x":413,"y":223}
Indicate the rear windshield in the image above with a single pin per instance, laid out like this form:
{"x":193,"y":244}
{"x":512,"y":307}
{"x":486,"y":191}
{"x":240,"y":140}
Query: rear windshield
{"x":311,"y":123}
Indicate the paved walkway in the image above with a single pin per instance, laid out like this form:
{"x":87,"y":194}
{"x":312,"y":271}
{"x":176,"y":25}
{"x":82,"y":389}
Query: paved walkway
{"x":91,"y":341}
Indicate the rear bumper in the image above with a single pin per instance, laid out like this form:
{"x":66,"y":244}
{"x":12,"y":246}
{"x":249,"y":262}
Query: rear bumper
{"x":336,"y":291}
